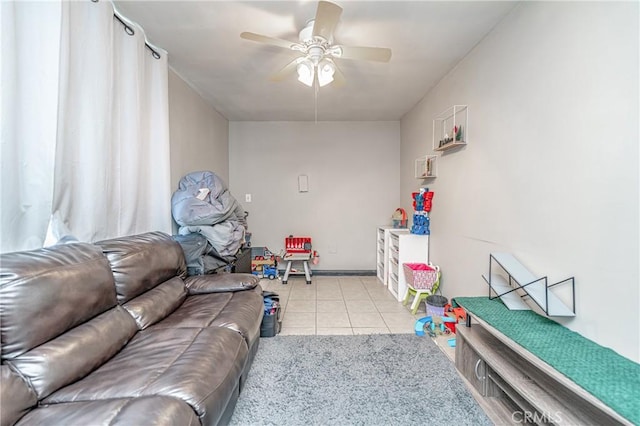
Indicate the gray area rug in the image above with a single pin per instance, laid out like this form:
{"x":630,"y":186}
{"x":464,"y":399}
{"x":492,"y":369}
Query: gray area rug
{"x":384,"y":379}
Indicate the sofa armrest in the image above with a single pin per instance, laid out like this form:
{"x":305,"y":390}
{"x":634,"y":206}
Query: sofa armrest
{"x":220,"y":283}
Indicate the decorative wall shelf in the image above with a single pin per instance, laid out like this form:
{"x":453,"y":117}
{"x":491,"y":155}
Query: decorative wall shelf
{"x":450,"y":128}
{"x":535,"y":288}
{"x":426,"y":167}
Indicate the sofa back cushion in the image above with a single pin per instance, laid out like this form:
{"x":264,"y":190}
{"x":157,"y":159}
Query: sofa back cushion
{"x":45,"y":292}
{"x":141,"y":262}
{"x":59,"y":315}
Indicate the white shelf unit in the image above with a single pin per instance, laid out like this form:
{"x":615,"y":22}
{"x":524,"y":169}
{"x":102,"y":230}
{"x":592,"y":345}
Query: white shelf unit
{"x":451,"y":128}
{"x":382,"y":252}
{"x":404,"y":248}
{"x":426,"y":167}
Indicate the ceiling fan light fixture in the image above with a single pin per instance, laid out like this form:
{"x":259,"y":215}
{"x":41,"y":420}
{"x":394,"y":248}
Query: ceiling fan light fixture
{"x":305,"y":72}
{"x":326,"y":70}
{"x":317,"y":49}
{"x":335,"y":51}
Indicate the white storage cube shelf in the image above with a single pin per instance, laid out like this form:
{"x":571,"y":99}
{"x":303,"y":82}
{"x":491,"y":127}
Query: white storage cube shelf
{"x":404,"y":247}
{"x":382,"y":252}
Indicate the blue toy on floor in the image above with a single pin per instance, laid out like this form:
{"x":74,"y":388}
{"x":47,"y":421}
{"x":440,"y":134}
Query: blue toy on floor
{"x":427,"y":322}
{"x":419,"y":327}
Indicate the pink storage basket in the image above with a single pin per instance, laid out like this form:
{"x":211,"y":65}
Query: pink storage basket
{"x":420,"y":275}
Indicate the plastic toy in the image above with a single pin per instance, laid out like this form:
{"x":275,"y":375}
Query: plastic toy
{"x":297,"y":244}
{"x":422,"y":200}
{"x":298,"y":249}
{"x":261,"y":256}
{"x":458,"y":313}
{"x":399,"y":218}
{"x":418,"y":199}
{"x":420,"y":224}
{"x":434,"y":325}
{"x":422,"y":207}
{"x":437,"y":327}
{"x":420,"y":325}
{"x":269,"y":271}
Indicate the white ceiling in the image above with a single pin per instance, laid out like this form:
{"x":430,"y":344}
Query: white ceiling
{"x":428,"y":39}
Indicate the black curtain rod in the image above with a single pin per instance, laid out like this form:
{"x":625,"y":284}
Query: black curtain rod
{"x":130,"y":31}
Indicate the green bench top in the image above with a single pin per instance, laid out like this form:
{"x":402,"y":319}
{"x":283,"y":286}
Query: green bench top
{"x":610,"y":377}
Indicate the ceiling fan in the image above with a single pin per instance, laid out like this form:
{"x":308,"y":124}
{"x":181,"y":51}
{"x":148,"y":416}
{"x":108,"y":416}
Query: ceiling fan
{"x":318,"y":52}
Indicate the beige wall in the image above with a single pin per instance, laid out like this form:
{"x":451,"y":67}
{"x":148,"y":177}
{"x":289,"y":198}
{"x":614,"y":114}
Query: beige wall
{"x":353,"y":172}
{"x":199,"y":134}
{"x":550,"y":172}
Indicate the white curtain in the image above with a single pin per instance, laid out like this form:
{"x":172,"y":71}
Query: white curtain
{"x":110,"y":173}
{"x":29,"y":54}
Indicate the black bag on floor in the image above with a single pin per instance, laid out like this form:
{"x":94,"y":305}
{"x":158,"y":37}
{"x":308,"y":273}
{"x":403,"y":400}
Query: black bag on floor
{"x":200,"y":256}
{"x":271,"y":321}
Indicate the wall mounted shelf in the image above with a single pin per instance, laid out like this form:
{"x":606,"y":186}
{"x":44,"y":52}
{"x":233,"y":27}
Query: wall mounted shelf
{"x":426,"y":167}
{"x":535,"y":288}
{"x":450,"y":128}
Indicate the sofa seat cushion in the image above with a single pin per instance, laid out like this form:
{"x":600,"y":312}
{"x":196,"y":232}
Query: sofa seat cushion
{"x":200,"y":366}
{"x":239,"y":311}
{"x":243,"y":314}
{"x":151,"y":410}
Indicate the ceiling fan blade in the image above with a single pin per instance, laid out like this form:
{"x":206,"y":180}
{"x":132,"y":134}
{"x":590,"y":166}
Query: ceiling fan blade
{"x":285,"y":72}
{"x":268,"y":40}
{"x":338,"y":78}
{"x":378,"y":54}
{"x":327,"y":17}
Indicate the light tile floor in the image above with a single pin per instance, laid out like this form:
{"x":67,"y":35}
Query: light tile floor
{"x":345,"y":305}
{"x":340,"y":305}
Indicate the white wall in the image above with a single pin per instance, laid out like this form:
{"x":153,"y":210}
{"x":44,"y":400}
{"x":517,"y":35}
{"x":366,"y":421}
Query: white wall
{"x":354,"y":182}
{"x":199,"y":134}
{"x":550,"y":172}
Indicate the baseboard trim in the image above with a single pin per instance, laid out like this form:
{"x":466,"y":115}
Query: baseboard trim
{"x":320,"y":272}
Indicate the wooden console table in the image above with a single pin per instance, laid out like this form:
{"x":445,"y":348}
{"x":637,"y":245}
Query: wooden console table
{"x":514,"y":386}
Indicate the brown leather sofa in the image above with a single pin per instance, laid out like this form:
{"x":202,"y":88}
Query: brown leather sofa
{"x":113,"y":333}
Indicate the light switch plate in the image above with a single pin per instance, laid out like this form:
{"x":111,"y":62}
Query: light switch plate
{"x":303,"y":183}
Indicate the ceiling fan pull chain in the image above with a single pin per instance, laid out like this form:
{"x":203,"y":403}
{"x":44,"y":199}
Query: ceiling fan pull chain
{"x":315,"y":98}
